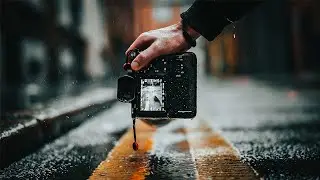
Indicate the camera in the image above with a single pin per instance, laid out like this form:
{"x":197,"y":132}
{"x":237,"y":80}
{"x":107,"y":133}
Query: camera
{"x":166,"y":89}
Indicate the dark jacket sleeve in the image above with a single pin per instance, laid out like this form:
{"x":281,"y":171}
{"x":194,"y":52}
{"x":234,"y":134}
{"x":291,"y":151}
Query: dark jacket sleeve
{"x":209,"y":17}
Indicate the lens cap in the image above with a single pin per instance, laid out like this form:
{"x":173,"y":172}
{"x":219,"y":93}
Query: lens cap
{"x":126,"y":89}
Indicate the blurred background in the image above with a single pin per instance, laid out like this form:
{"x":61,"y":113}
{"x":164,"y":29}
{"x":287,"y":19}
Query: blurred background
{"x":49,"y":48}
{"x":60,"y":60}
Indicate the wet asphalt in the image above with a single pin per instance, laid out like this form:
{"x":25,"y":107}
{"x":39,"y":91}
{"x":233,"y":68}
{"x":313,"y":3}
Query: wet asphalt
{"x":275,"y":126}
{"x":76,"y":154}
{"x":275,"y":130}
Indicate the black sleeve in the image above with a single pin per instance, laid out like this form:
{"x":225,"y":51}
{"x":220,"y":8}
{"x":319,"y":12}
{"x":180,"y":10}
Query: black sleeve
{"x":209,"y":17}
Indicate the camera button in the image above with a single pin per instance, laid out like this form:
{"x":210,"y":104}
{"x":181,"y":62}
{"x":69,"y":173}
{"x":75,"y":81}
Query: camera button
{"x":126,"y":66}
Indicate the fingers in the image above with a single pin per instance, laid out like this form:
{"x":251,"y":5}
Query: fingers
{"x":142,"y":41}
{"x":144,"y":58}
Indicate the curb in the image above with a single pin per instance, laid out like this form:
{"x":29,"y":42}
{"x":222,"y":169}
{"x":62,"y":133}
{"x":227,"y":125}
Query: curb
{"x":46,"y":124}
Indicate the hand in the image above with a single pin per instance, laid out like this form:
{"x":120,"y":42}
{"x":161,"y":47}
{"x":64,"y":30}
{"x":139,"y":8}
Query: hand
{"x":159,"y":42}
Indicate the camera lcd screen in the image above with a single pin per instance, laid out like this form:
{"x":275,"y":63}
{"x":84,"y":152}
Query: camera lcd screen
{"x":152,"y":95}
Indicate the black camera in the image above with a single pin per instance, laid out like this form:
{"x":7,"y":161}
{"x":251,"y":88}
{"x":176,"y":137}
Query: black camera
{"x":166,"y":89}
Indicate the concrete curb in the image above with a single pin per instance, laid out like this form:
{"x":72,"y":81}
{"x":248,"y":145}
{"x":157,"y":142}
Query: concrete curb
{"x":46,"y":124}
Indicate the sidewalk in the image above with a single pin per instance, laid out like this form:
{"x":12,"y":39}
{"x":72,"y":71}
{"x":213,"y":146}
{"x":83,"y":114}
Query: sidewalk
{"x":25,"y":131}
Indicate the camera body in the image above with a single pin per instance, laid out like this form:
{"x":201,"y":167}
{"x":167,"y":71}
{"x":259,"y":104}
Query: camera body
{"x":166,"y":89}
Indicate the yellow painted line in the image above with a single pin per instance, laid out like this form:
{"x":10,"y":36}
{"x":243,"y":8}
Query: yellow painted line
{"x":214,"y":156}
{"x":125,"y":163}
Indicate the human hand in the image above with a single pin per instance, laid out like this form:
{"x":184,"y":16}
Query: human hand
{"x":159,"y":42}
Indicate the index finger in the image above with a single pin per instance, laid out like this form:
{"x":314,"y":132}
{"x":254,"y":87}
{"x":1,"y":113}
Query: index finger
{"x":145,"y":57}
{"x":141,"y":41}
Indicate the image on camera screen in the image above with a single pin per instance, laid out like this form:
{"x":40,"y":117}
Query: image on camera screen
{"x":152,"y":93}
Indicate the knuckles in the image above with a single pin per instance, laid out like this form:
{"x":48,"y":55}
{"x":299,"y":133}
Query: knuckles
{"x":144,"y":35}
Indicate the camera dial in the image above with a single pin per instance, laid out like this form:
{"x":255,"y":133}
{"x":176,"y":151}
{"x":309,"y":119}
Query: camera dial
{"x":130,"y":57}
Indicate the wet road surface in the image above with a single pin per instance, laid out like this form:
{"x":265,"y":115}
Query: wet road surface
{"x":244,"y":129}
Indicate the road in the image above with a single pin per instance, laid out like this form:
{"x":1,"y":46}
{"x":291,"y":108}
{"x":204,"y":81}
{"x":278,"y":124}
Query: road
{"x":245,"y":129}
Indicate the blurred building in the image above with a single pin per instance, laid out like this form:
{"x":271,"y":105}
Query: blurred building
{"x":47,"y":43}
{"x":278,"y":37}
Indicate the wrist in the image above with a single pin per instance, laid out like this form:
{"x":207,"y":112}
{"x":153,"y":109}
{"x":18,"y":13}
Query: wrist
{"x":193,"y":33}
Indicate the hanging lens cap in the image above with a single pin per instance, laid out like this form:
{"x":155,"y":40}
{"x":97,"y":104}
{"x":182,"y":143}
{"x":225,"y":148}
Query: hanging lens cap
{"x":126,"y":88}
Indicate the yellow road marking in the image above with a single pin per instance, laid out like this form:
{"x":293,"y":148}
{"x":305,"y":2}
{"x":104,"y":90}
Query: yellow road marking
{"x":215,"y":158}
{"x":124,"y":163}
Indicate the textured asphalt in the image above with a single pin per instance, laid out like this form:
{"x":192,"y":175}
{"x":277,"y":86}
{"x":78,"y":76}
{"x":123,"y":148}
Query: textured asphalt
{"x":274,"y":129}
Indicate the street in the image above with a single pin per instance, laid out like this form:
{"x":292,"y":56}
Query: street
{"x":258,"y":89}
{"x":245,"y":129}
